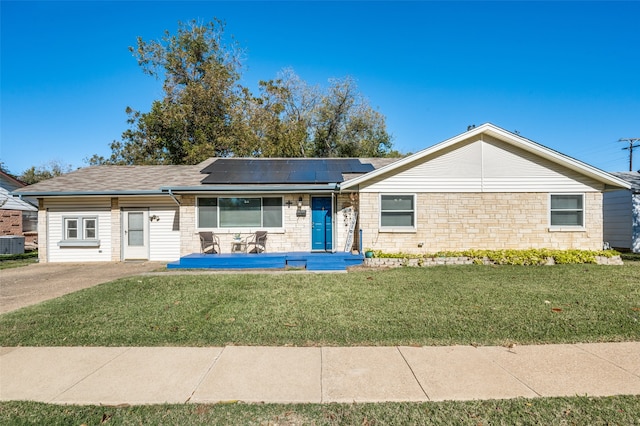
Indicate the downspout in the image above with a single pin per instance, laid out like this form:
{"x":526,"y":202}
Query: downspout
{"x":173,"y":197}
{"x":334,"y":207}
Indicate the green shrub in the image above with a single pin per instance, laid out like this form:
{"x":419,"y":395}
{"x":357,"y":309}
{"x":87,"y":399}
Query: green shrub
{"x":27,"y":255}
{"x":508,"y":257}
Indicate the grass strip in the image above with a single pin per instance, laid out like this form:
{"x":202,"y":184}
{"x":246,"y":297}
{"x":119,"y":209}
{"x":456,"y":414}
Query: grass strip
{"x":445,"y":305}
{"x":17,"y":260}
{"x":618,"y":410}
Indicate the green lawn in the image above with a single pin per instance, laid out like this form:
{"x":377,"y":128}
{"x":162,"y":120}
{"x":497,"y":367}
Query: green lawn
{"x":430,"y":306}
{"x":618,"y":410}
{"x":411,"y":306}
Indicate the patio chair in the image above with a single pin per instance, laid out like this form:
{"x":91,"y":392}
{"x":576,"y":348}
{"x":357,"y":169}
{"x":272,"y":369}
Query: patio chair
{"x":258,"y":241}
{"x":209,"y":243}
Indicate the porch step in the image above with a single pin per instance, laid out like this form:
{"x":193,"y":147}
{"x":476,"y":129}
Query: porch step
{"x":310,"y":261}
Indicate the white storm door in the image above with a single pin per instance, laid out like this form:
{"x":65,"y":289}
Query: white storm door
{"x":135,"y":234}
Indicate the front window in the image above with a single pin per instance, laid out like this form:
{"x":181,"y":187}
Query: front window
{"x":80,"y":230}
{"x":207,"y":212}
{"x":89,"y":227}
{"x":240,"y":212}
{"x":397,"y":211}
{"x":567,"y":210}
{"x":71,"y":229}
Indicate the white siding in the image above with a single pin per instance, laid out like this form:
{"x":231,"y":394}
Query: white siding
{"x":617,"y":227}
{"x":102,"y":253}
{"x":487,"y":165}
{"x":164,"y":233}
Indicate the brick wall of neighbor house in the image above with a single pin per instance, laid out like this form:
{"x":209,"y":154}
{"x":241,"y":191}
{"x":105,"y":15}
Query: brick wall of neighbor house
{"x":460,"y":221}
{"x":10,"y":222}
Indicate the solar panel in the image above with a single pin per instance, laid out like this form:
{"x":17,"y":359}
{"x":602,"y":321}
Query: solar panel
{"x":281,"y":171}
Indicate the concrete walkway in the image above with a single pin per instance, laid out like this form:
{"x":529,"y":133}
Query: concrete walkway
{"x":144,"y":375}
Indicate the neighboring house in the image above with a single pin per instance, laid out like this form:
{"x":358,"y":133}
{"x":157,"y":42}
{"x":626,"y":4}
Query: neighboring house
{"x":622,"y":214}
{"x":17,"y":216}
{"x":484,"y":189}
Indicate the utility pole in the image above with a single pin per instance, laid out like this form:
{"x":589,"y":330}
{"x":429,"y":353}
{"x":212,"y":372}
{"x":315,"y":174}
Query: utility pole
{"x":631,"y":146}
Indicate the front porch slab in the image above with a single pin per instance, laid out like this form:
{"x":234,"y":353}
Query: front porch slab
{"x":311,"y":261}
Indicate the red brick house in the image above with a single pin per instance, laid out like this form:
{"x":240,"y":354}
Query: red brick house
{"x":17,"y":216}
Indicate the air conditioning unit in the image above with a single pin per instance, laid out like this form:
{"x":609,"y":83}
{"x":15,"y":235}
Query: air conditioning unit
{"x":11,"y":244}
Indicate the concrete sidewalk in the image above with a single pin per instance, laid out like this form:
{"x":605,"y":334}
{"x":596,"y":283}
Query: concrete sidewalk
{"x":152,"y":375}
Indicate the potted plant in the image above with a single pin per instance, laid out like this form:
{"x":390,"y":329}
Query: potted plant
{"x":368,"y":253}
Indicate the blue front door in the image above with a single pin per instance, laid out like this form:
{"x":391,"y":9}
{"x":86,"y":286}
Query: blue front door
{"x":321,"y":223}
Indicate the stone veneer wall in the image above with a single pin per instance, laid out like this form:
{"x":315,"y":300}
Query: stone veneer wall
{"x":189,"y":240}
{"x":43,"y":232}
{"x":116,"y":231}
{"x":295,"y":235}
{"x":492,"y":221}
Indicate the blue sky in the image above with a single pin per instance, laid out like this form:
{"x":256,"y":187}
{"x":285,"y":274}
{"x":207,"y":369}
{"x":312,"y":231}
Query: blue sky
{"x":564,"y":74}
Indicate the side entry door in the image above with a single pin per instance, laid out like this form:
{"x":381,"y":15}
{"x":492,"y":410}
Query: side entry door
{"x":135,"y":234}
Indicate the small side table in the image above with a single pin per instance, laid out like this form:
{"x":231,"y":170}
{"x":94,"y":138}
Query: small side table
{"x":238,"y":246}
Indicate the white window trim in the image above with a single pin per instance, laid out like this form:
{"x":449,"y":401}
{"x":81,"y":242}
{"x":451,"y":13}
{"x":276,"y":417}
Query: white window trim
{"x":80,"y":241}
{"x":568,"y":228}
{"x":240,"y":229}
{"x":398,"y":229}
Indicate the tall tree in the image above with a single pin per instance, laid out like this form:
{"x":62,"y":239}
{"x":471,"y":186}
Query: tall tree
{"x":303,"y":121}
{"x":196,"y":117}
{"x":205,"y":112}
{"x":50,"y":170}
{"x":345,"y":125}
{"x":282,"y":116}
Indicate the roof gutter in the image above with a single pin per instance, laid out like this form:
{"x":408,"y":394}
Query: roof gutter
{"x":284,"y":189}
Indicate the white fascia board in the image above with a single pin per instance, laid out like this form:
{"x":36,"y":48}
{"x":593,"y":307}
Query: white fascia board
{"x":505,"y":136}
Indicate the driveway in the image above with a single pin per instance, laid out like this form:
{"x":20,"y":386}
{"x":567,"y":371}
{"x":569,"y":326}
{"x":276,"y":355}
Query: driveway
{"x":28,"y":285}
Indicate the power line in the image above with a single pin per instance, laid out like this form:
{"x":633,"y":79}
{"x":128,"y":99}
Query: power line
{"x":630,"y":148}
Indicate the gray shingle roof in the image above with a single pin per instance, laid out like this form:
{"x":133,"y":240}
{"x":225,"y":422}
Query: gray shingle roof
{"x":632,"y":177}
{"x":135,"y":179}
{"x":118,"y":179}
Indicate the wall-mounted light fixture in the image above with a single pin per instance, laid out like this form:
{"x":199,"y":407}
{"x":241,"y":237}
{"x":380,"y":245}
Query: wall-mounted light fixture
{"x":154,"y":218}
{"x":300,"y":212}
